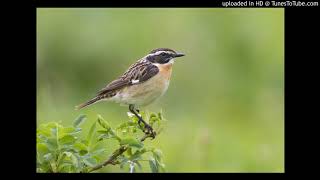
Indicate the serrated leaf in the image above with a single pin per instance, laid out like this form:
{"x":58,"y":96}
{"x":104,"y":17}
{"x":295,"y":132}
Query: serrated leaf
{"x":132,"y":142}
{"x":79,"y":120}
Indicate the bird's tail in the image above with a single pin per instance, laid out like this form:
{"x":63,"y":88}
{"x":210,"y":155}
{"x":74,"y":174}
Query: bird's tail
{"x":92,"y":101}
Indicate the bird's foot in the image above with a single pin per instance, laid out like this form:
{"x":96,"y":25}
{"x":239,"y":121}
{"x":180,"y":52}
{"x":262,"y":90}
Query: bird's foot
{"x":147,"y":129}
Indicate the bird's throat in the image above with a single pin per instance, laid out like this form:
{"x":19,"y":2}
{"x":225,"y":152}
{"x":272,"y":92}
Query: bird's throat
{"x":165,"y":70}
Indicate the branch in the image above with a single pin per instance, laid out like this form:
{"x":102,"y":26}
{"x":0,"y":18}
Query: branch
{"x":117,"y":153}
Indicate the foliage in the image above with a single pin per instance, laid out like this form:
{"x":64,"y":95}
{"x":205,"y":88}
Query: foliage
{"x":68,"y":150}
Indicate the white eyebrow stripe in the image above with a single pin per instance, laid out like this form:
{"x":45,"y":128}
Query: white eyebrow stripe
{"x":158,"y":52}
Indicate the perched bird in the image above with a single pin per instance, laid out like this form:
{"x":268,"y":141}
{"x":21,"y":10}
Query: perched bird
{"x":143,"y":82}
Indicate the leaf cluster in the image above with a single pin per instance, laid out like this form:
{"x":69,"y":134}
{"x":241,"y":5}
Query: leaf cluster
{"x":68,"y":150}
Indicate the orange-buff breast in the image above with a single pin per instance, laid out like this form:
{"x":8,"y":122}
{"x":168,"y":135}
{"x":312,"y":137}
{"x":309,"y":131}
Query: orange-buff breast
{"x":165,"y":70}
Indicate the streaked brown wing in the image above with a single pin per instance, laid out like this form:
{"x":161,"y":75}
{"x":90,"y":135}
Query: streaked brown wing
{"x":147,"y":73}
{"x":114,"y":85}
{"x":140,"y":72}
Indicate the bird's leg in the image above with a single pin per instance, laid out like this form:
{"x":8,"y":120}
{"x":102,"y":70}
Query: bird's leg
{"x":139,"y":122}
{"x":132,"y":110}
{"x":148,"y":128}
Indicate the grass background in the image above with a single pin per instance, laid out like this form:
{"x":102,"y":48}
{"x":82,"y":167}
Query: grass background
{"x":225,"y":103}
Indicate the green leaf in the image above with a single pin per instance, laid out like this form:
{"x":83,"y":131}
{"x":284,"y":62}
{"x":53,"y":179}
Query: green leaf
{"x":50,"y":125}
{"x":129,"y":151}
{"x":103,"y":132}
{"x":153,"y":115}
{"x":133,"y":118}
{"x":79,"y":120}
{"x":137,"y":155}
{"x":91,"y":134}
{"x":80,"y":146}
{"x":48,"y":157}
{"x":162,"y":167}
{"x":74,"y":161}
{"x":153,"y":165}
{"x":160,"y":115}
{"x":123,"y":163}
{"x":54,"y":131}
{"x":153,"y":120}
{"x":90,"y":161}
{"x":132,"y":142}
{"x":99,"y":146}
{"x":83,"y":152}
{"x":157,"y":154}
{"x":52,"y":144}
{"x":67,"y":130}
{"x":68,"y":139}
{"x":103,"y":122}
{"x":42,"y":148}
{"x":104,"y":136}
{"x":98,"y":152}
{"x":65,"y":167}
{"x":43,"y":133}
{"x":139,"y":165}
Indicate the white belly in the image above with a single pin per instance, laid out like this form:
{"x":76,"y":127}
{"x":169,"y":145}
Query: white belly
{"x":143,"y":94}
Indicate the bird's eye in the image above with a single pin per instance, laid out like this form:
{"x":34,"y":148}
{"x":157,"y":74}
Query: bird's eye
{"x":163,"y":54}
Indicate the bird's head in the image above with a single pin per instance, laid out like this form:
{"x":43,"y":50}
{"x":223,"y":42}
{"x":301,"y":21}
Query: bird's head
{"x":163,"y":56}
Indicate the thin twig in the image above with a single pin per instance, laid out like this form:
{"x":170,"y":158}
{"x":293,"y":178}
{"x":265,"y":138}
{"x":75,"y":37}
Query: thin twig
{"x":117,"y":153}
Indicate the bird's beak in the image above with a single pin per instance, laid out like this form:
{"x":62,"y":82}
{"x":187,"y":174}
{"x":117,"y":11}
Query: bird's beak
{"x":179,"y":55}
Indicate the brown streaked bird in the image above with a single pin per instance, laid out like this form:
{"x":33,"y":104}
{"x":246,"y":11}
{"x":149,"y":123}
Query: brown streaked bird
{"x":143,"y":83}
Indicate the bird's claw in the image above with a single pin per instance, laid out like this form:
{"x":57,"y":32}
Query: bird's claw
{"x":148,"y":130}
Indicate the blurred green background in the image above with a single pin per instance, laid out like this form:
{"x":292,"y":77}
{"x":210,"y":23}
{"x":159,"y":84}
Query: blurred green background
{"x":225,"y":103}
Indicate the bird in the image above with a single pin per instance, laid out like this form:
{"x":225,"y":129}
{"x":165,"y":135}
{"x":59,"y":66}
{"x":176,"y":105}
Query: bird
{"x":144,"y":82}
